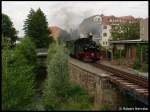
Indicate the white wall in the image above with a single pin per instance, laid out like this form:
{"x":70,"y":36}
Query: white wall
{"x":104,"y":39}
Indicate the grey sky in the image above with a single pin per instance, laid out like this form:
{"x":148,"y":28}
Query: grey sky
{"x":69,"y":14}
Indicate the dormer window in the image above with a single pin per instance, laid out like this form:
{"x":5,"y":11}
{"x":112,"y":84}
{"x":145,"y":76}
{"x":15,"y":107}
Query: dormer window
{"x":96,"y":18}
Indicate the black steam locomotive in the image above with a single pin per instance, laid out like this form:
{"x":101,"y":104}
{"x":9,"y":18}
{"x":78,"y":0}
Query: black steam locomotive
{"x":85,"y":49}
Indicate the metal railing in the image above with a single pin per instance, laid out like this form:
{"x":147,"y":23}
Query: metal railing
{"x":42,"y":52}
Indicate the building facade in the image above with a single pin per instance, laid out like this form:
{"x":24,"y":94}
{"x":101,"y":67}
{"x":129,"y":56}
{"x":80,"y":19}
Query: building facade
{"x":91,"y":25}
{"x":105,"y":35}
{"x":102,"y":27}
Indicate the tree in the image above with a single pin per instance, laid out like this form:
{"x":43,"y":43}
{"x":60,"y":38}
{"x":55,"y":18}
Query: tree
{"x":57,"y":83}
{"x":129,"y":31}
{"x":5,"y":42}
{"x":59,"y":93}
{"x":27,"y":23}
{"x":27,"y":48}
{"x":36,"y":27}
{"x":17,"y":79}
{"x":8,"y":29}
{"x":116,"y":35}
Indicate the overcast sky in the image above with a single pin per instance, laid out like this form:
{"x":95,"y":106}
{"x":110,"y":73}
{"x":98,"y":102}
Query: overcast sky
{"x":69,"y":14}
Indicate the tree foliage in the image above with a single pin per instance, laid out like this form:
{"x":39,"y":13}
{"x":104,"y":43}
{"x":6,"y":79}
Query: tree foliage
{"x":57,"y":84}
{"x":27,"y":48}
{"x":27,"y":23}
{"x":128,"y":31}
{"x":17,"y":79}
{"x":141,"y":57}
{"x":78,"y":99}
{"x":131,"y":31}
{"x":8,"y":30}
{"x":36,"y":27}
{"x":59,"y":93}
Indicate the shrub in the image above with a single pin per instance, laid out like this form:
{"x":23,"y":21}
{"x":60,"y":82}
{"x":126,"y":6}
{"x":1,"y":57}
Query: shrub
{"x":57,"y":83}
{"x":137,"y":64}
{"x":27,"y":48}
{"x":17,"y":80}
{"x":51,"y":52}
{"x":116,"y":54}
{"x":59,"y":93}
{"x":78,"y":99}
{"x":144,"y":68}
{"x":102,"y":107}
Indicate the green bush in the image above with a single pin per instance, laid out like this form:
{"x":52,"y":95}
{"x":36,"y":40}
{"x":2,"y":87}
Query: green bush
{"x":17,"y":80}
{"x":78,"y":99}
{"x":27,"y":48}
{"x":57,"y":83}
{"x":144,"y":68}
{"x":116,"y":54}
{"x":103,"y":107}
{"x":51,"y":51}
{"x":59,"y":93}
{"x":137,"y":64}
{"x":6,"y":43}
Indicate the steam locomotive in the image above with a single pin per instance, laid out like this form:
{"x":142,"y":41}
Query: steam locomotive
{"x":85,"y":49}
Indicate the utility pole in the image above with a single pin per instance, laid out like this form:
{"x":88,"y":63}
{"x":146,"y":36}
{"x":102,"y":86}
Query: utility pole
{"x":141,"y":55}
{"x":120,"y":57}
{"x":106,"y":53}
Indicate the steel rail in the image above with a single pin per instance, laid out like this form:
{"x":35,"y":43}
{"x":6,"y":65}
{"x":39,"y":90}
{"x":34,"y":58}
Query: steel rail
{"x":127,"y":76}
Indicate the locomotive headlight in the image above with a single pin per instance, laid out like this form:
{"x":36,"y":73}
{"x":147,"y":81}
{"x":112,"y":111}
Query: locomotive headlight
{"x":92,"y":54}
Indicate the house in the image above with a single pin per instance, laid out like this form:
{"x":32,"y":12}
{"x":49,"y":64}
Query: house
{"x":91,"y":25}
{"x":102,"y":27}
{"x":59,"y":35}
{"x":55,"y":32}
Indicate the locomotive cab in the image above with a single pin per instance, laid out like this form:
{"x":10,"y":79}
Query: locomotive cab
{"x":86,"y":49}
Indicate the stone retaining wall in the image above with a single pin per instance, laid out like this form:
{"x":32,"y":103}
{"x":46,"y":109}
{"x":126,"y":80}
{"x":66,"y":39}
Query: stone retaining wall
{"x":102,"y":90}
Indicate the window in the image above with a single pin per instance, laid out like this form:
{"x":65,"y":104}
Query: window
{"x":96,"y":19}
{"x":105,"y":34}
{"x":103,"y":42}
{"x":142,"y":29}
{"x":106,"y":43}
{"x":105,"y":27}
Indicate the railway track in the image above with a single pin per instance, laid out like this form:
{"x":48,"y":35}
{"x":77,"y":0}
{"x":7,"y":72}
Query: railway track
{"x":131,"y":78}
{"x":133,"y":84}
{"x":128,"y":77}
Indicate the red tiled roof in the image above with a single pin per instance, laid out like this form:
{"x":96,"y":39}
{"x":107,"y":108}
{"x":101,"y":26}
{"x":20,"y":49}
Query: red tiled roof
{"x":106,"y":19}
{"x":127,"y":17}
{"x":54,"y":30}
